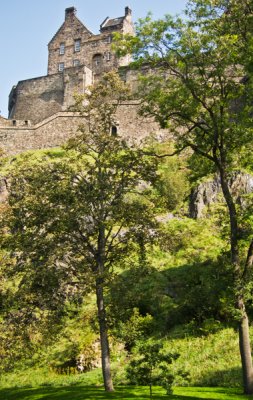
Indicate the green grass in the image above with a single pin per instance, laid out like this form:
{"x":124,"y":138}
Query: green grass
{"x":45,"y":377}
{"x":36,"y":384}
{"x":80,"y":392}
{"x":211,"y":360}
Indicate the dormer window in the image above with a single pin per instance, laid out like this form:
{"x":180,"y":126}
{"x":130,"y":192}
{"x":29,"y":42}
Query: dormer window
{"x":62,"y":48}
{"x":61,"y":67}
{"x":77,"y":45}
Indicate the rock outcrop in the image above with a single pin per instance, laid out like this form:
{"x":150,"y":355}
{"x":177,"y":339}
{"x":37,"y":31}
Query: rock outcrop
{"x":210,"y":192}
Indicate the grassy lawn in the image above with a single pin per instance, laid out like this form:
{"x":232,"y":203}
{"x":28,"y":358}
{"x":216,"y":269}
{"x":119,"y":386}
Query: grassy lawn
{"x":80,"y":392}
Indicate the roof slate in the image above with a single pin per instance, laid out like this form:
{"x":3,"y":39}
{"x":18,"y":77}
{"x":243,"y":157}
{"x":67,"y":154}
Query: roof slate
{"x":113,"y":22}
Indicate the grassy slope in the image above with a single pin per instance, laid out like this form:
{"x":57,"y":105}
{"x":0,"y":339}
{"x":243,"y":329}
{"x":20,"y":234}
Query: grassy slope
{"x":209,"y":360}
{"x":127,"y":393}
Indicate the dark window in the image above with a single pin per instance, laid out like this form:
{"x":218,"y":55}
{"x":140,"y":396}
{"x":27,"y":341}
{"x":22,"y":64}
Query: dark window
{"x":14,"y":122}
{"x":114,"y":130}
{"x":97,"y":60}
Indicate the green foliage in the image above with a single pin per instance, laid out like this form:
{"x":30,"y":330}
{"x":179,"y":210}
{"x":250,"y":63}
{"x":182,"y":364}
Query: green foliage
{"x":172,"y":187}
{"x":72,"y":215}
{"x":76,"y":345}
{"x":207,"y":360}
{"x":187,"y":240}
{"x":185,"y":279}
{"x":150,"y":366}
{"x":200,"y":87}
{"x":133,"y":329}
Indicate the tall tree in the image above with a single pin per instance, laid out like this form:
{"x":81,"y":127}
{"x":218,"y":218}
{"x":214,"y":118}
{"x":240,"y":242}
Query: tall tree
{"x":201,"y":89}
{"x":71,"y":219}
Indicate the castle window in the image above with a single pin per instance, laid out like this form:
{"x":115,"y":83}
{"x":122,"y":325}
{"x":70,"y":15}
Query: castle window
{"x":14,"y":122}
{"x":94,"y":44}
{"x":62,"y":48}
{"x":61,"y":67}
{"x":77,"y":45}
{"x":114,"y":130}
{"x":108,"y":39}
{"x":108,"y":56}
{"x":76,"y":63}
{"x":97,"y":60}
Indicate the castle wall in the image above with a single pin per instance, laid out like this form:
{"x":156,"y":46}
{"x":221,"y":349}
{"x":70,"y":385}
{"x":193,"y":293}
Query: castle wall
{"x":57,"y":129}
{"x":38,"y":98}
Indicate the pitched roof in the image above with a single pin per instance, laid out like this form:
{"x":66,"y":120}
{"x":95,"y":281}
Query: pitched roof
{"x":112,"y":22}
{"x":63,"y":25}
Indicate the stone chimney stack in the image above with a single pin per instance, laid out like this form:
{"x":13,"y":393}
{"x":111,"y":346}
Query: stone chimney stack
{"x":128,"y":11}
{"x":69,"y":12}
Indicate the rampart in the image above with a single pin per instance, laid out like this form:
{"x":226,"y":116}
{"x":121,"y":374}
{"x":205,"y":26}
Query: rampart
{"x":58,"y":128}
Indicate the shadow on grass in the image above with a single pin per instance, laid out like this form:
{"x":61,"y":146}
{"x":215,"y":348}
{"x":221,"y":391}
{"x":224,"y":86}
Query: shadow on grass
{"x":77,"y":393}
{"x":125,"y":393}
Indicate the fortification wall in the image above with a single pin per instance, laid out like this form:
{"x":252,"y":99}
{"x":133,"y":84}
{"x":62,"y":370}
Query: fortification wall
{"x":57,"y":129}
{"x":38,"y":98}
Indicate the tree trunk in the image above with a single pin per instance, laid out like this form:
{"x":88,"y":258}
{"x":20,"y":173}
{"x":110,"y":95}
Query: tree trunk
{"x":245,"y":351}
{"x":105,"y":351}
{"x":244,"y":336}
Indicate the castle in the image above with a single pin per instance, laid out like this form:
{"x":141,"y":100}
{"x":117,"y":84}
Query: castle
{"x":39,"y":115}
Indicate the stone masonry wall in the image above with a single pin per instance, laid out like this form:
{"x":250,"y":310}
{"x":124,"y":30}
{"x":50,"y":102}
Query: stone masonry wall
{"x":55,"y":130}
{"x":94,"y":51}
{"x":38,"y":98}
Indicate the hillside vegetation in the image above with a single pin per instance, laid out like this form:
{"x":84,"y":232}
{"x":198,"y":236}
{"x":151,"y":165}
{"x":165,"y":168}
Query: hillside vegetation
{"x":102,"y":265}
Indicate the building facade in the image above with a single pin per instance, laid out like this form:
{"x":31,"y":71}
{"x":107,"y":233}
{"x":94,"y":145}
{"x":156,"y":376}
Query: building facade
{"x":74,"y":45}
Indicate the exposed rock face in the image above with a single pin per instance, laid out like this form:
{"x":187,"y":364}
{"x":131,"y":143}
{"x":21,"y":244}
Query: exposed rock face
{"x":3,"y":190}
{"x":209,"y":192}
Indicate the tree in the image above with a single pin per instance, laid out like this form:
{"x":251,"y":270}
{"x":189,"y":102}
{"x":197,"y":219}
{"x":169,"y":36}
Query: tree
{"x":151,"y":366}
{"x":72,"y":218}
{"x":201,"y":89}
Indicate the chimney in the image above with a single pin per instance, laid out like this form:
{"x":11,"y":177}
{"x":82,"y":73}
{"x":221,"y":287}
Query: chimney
{"x":69,"y":12}
{"x":128,"y":11}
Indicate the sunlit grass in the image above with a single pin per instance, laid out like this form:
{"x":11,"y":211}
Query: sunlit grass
{"x":80,"y":392}
{"x":35,"y":384}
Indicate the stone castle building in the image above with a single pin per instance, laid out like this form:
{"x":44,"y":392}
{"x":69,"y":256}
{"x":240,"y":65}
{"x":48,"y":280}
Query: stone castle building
{"x":38,"y":107}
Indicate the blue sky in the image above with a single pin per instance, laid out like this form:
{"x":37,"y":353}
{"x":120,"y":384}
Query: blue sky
{"x":26,"y":27}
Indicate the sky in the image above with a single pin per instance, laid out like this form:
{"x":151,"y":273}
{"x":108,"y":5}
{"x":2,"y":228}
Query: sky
{"x":27,"y":26}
